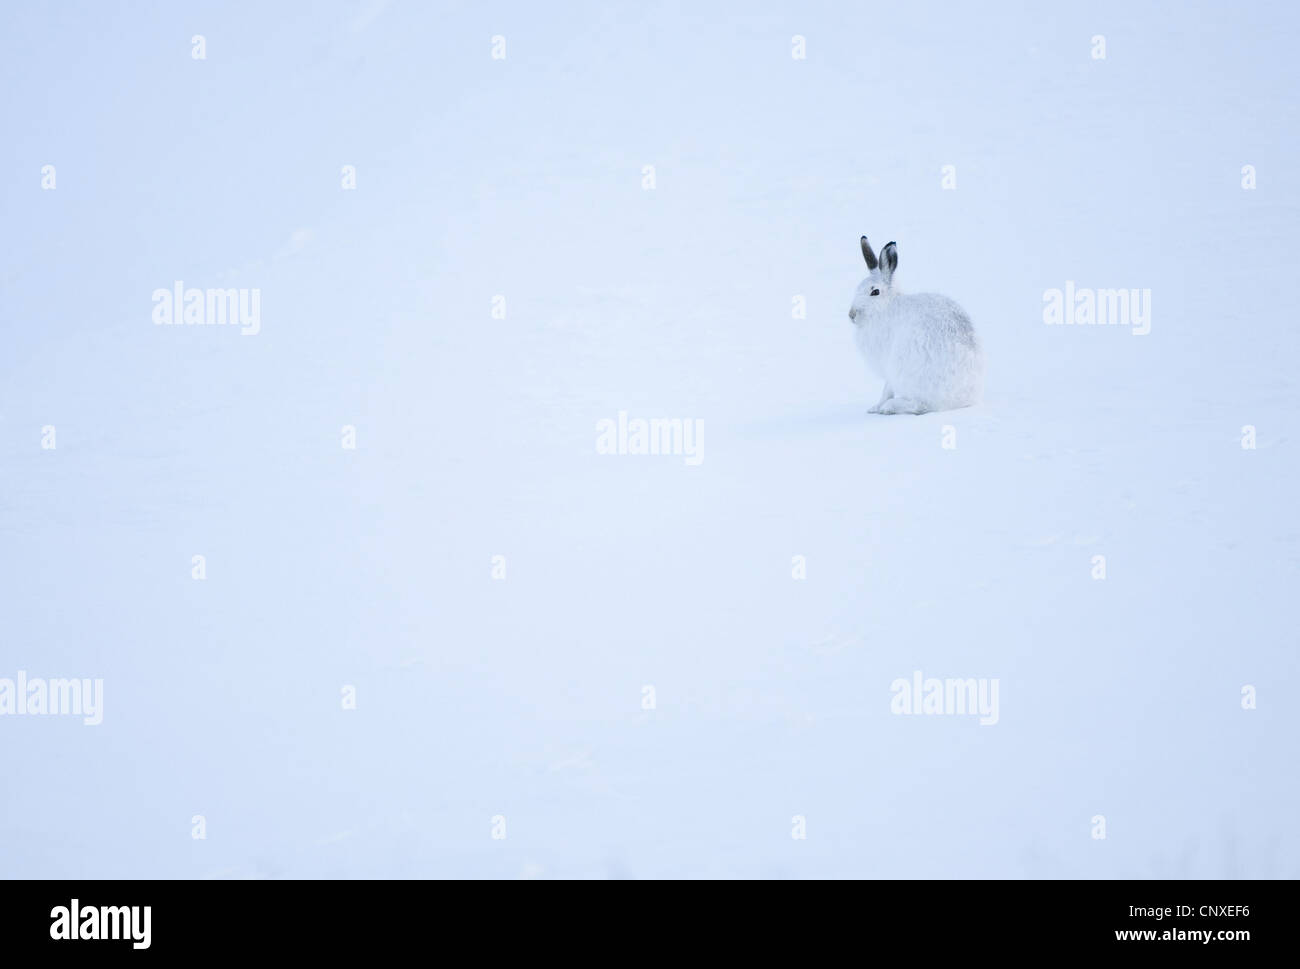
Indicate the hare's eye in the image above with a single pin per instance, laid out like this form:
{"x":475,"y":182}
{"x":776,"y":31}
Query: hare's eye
{"x":875,"y":292}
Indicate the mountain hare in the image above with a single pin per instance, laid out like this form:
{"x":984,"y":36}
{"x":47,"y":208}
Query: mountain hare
{"x":923,"y":346}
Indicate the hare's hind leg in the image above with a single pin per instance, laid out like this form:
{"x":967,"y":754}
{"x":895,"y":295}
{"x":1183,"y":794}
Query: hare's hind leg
{"x":903,"y":405}
{"x":887,"y":395}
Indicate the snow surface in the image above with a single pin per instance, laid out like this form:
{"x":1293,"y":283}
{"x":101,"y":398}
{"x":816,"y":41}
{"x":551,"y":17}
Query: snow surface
{"x":476,"y":437}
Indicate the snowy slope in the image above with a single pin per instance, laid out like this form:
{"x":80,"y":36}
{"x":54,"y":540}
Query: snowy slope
{"x":476,"y":437}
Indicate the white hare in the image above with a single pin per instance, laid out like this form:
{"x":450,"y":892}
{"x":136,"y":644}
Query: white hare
{"x":923,"y":346}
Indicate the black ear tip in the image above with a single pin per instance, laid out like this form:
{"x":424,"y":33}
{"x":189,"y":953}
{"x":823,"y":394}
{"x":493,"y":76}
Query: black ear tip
{"x":864,"y":238}
{"x":891,"y":242}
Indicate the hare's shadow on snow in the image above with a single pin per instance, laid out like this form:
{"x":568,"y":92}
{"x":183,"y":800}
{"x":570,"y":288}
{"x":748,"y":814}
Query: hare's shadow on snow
{"x":844,"y":417}
{"x":852,"y":417}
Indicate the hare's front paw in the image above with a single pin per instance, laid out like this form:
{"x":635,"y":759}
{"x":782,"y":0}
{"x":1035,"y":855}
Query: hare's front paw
{"x":902,"y":405}
{"x":884,"y":398}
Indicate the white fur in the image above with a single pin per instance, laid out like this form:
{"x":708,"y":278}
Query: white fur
{"x":923,"y":346}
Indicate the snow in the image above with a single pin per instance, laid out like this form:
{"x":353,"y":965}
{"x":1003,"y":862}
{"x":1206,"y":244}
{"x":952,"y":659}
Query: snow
{"x":476,"y":437}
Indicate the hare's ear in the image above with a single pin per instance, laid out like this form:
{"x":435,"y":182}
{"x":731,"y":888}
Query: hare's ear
{"x":867,"y":254}
{"x":888,"y":260}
